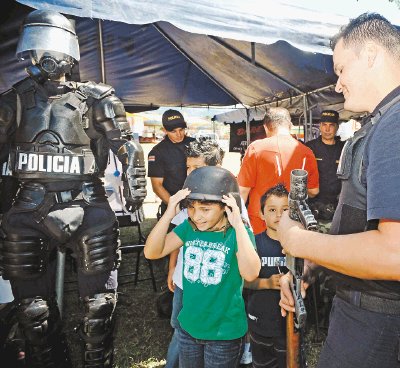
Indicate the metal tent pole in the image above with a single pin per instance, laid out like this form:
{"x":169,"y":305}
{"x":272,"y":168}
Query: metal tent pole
{"x":101,"y":48}
{"x":248,"y":127}
{"x":306,"y":127}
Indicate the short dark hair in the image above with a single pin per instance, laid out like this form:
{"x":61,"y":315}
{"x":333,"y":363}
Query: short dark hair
{"x":369,"y":26}
{"x":278,"y":190}
{"x":206,"y":148}
{"x":277,"y":116}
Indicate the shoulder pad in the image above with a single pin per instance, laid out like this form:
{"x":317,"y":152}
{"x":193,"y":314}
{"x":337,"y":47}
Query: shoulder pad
{"x":96,"y":90}
{"x":24,"y":85}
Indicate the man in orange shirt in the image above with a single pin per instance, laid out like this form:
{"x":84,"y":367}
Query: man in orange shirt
{"x":269,"y":161}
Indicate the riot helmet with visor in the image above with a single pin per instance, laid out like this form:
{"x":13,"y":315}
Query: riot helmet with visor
{"x":49,"y":39}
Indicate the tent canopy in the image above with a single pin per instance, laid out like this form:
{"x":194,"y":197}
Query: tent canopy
{"x":260,"y":21}
{"x":158,"y":64}
{"x":307,"y":25}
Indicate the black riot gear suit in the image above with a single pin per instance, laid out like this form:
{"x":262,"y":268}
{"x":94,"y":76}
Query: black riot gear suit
{"x":58,"y":135}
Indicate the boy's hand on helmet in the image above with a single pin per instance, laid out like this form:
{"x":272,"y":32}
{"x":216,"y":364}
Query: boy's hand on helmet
{"x":232,"y":210}
{"x":173,"y":204}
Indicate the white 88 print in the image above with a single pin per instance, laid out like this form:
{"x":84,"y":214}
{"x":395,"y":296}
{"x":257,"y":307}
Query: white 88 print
{"x":206,"y":266}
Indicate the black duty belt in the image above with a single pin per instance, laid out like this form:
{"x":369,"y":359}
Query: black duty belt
{"x":52,"y":198}
{"x":369,"y":302}
{"x":68,"y":196}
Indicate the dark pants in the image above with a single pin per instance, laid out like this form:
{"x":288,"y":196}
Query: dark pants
{"x":360,"y":338}
{"x":268,"y":352}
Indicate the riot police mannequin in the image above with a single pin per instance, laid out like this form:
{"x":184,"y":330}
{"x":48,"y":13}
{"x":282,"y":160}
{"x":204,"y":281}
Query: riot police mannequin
{"x":60,"y":133}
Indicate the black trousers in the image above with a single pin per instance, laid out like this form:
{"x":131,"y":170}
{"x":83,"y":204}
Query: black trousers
{"x":268,"y":352}
{"x":360,"y":338}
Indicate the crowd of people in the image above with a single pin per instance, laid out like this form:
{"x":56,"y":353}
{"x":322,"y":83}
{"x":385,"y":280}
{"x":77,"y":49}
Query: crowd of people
{"x":277,"y":154}
{"x":352,"y":195}
{"x":226,"y":238}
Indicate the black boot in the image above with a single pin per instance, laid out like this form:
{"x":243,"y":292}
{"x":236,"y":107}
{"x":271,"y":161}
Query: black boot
{"x":97,"y":330}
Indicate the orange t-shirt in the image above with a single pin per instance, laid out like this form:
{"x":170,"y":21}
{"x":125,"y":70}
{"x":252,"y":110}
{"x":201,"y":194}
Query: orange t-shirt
{"x":268,"y":162}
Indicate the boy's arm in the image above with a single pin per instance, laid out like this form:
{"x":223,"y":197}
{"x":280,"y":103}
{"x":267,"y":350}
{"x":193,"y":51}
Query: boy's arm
{"x":248,"y":260}
{"x":272,"y":283}
{"x":158,"y":243}
{"x":173,"y":259}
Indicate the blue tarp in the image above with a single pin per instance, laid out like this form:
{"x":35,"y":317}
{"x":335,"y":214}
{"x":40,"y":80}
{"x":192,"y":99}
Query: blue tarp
{"x":159,"y":64}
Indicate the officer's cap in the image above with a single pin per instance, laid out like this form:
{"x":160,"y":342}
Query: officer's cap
{"x":173,"y":119}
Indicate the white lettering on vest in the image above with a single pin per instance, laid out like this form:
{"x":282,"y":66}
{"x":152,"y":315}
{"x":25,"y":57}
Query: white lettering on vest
{"x":41,"y":163}
{"x":66,"y":164}
{"x":32,"y":162}
{"x":48,"y":163}
{"x":74,"y":169}
{"x":57,"y":167}
{"x":6,"y":169}
{"x":22,"y":160}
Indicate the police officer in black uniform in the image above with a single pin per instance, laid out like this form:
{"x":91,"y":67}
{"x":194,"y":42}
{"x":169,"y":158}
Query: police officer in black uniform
{"x":59,"y":134}
{"x":362,"y":249}
{"x":167,"y":160}
{"x":327,"y":149}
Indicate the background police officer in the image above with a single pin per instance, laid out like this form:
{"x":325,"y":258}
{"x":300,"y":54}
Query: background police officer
{"x":167,"y":159}
{"x":327,"y":149}
{"x":59,"y":133}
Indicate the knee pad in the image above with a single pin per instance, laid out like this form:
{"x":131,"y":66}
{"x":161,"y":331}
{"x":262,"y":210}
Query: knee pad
{"x":96,"y":330}
{"x":24,"y":258}
{"x":98,"y":251}
{"x":41,"y":325}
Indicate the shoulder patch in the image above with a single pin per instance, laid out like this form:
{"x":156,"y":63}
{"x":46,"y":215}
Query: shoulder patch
{"x":152,"y":158}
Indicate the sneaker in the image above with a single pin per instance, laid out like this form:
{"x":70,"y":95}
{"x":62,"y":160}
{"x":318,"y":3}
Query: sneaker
{"x":246,"y":357}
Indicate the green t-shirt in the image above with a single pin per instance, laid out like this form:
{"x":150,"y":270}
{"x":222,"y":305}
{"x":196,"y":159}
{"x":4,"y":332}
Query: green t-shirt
{"x":213,"y":306}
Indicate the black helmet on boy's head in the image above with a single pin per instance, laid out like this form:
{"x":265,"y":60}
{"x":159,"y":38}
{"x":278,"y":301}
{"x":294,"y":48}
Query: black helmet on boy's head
{"x":210,"y":183}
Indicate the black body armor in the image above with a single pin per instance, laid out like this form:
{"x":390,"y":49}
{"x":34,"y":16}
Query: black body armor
{"x":55,"y":130}
{"x":58,"y":135}
{"x":351,"y":213}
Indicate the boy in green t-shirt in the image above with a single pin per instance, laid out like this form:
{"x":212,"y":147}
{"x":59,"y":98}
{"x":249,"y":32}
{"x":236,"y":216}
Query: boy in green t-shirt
{"x":218,"y":254}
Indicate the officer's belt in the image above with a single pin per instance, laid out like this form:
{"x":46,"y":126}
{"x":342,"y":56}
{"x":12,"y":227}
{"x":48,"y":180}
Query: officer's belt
{"x":68,"y":196}
{"x":52,"y":198}
{"x":369,"y":302}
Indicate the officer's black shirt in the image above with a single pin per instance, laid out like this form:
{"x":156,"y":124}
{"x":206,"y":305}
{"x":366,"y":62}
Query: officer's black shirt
{"x":327,"y":159}
{"x":376,"y":167}
{"x":168,"y":160}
